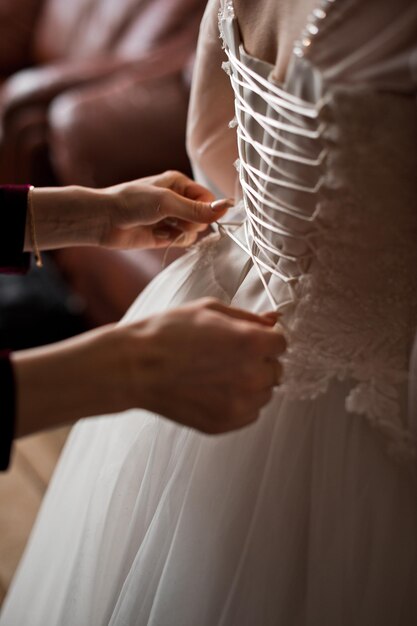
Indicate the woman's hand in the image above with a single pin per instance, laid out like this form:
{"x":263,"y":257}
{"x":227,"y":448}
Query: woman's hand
{"x":204,"y":365}
{"x":155,"y":212}
{"x":159,"y":211}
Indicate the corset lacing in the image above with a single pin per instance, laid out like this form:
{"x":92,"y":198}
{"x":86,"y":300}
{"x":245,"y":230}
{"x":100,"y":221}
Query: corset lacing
{"x":301,"y":228}
{"x":290,"y":120}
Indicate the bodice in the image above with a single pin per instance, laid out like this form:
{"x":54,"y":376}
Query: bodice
{"x":329,"y":192}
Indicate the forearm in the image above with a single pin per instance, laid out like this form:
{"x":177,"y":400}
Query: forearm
{"x":126,"y":216}
{"x":66,"y":381}
{"x":67,"y":216}
{"x":189,"y":364}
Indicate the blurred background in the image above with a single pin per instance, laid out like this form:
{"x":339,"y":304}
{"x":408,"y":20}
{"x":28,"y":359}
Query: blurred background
{"x":92,"y":92}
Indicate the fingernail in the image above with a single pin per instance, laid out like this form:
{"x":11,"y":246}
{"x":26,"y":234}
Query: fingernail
{"x":162,"y":233}
{"x":222,"y":204}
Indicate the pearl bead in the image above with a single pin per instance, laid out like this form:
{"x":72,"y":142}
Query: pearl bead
{"x":319,"y":14}
{"x":298,"y":49}
{"x":312,"y":29}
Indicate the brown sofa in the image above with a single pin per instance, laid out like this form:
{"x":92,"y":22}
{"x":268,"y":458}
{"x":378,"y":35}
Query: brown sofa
{"x":95,"y":92}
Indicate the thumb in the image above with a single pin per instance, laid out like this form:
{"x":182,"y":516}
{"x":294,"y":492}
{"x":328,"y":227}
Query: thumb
{"x":175,"y":205}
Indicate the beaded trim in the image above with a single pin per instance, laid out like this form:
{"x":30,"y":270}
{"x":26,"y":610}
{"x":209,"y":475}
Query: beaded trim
{"x":314,"y":23}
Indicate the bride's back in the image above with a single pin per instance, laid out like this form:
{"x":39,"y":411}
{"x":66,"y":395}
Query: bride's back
{"x":269,"y":29}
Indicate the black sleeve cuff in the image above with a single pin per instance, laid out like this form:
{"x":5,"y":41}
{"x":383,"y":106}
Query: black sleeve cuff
{"x":7,"y":410}
{"x":13,"y":209}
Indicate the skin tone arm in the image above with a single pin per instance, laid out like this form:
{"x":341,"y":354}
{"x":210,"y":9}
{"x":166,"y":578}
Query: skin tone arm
{"x":151,"y":212}
{"x":205,"y":365}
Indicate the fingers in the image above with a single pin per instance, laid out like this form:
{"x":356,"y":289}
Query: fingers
{"x":260,"y":399}
{"x":273,"y":343}
{"x":260,"y":335}
{"x":252,"y":400}
{"x":176,"y":205}
{"x":245,"y":411}
{"x":185,"y":186}
{"x":266,"y":375}
{"x":266,"y":319}
{"x":275,"y":371}
{"x":255,"y":404}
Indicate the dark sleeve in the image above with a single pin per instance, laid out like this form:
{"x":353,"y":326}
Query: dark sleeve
{"x":7,"y":409}
{"x":412,"y":388}
{"x":13,"y":207}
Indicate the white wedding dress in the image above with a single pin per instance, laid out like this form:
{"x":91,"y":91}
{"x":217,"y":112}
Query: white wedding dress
{"x":308,"y":517}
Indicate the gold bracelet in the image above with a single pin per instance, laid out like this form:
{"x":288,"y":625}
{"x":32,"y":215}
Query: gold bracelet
{"x":32,"y":229}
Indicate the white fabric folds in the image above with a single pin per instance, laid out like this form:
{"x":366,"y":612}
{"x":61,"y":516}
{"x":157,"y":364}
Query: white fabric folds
{"x":308,"y":517}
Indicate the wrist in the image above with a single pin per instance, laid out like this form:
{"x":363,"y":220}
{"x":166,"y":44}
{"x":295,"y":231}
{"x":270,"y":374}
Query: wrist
{"x":67,"y":216}
{"x":140,"y":365}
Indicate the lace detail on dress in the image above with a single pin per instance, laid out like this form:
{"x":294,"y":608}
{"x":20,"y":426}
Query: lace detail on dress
{"x":357,"y":305}
{"x":206,"y":249}
{"x":227,"y":11}
{"x":330,"y":213}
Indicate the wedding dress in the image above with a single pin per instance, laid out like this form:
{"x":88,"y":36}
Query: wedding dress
{"x":308,"y":517}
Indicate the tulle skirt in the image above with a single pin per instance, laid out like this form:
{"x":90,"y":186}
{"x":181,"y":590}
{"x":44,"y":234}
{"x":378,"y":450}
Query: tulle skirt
{"x":300,"y":519}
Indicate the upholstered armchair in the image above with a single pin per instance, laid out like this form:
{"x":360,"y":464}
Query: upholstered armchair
{"x":95,"y":92}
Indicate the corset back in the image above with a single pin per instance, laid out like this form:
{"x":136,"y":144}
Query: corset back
{"x":329,"y":191}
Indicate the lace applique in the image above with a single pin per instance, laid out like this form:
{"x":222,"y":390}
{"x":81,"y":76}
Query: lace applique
{"x":206,"y":250}
{"x":355,"y":310}
{"x":226,"y":10}
{"x":226,"y":67}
